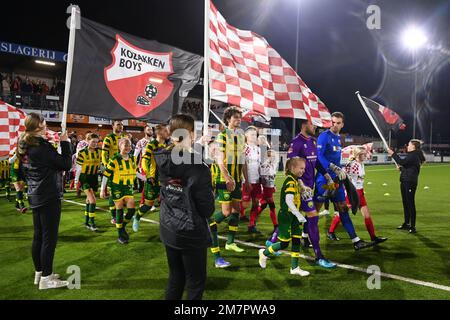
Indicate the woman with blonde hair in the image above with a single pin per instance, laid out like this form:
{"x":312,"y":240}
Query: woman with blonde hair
{"x":289,"y":218}
{"x":355,"y":171}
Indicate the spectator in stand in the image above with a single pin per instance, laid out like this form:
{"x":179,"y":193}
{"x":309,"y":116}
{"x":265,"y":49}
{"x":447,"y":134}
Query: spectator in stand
{"x":6,"y":87}
{"x":16,"y":85}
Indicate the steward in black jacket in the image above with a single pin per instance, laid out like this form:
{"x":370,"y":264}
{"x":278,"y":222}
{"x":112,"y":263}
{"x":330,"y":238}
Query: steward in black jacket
{"x":410,"y":165}
{"x":409,"y":176}
{"x":42,"y":167}
{"x":187,"y":200}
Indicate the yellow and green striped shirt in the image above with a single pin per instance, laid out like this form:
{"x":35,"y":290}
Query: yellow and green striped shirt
{"x":121,"y":171}
{"x":89,"y":161}
{"x":290,"y":186}
{"x":110,"y":147}
{"x":215,"y":174}
{"x":232,"y":144}
{"x":4,"y":169}
{"x":148,"y":160}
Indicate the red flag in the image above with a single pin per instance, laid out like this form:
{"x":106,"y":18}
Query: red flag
{"x":12,"y":125}
{"x":246,"y":71}
{"x":385,"y":118}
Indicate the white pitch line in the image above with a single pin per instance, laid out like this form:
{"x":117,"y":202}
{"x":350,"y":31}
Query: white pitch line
{"x":344,"y":266}
{"x":394,"y":169}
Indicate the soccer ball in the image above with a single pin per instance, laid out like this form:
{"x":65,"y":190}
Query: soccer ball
{"x":151,"y":91}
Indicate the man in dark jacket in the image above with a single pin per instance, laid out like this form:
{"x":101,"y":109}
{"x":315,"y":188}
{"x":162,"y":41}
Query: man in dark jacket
{"x":187,"y":202}
{"x":409,"y":176}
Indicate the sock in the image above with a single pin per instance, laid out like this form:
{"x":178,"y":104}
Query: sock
{"x":274,"y":237}
{"x":242,"y":210}
{"x":86,"y":217}
{"x":8,"y":190}
{"x":215,"y":249}
{"x":348,"y":225}
{"x":272,"y":249}
{"x":233,"y":224}
{"x":142,"y":210}
{"x":112,"y":208}
{"x":129,"y":215}
{"x":218,"y":217}
{"x":334,"y":223}
{"x":305,"y":229}
{"x":314,"y":235}
{"x":92,"y":212}
{"x":273,"y":214}
{"x":370,"y":228}
{"x":295,"y":251}
{"x":19,"y":197}
{"x":262,"y":206}
{"x":119,"y":221}
{"x":253,"y":216}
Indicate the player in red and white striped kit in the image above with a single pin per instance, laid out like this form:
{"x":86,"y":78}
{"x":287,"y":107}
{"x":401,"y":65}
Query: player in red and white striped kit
{"x":267,"y":172}
{"x":355,"y":171}
{"x":252,"y":156}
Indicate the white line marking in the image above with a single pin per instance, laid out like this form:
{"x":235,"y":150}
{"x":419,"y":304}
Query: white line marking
{"x":344,"y":266}
{"x":394,"y":169}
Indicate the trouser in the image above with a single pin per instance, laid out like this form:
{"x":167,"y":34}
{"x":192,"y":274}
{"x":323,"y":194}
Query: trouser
{"x":46,"y":223}
{"x":187,"y":268}
{"x":408,"y":190}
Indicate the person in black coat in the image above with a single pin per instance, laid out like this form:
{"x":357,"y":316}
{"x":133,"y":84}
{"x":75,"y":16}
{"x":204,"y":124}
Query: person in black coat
{"x":42,"y":167}
{"x":409,"y":176}
{"x":187,"y":202}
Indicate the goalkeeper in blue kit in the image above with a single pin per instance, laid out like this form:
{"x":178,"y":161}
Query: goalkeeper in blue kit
{"x":329,"y":155}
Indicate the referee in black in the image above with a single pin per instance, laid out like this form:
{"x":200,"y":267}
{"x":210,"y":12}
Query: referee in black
{"x":409,"y":175}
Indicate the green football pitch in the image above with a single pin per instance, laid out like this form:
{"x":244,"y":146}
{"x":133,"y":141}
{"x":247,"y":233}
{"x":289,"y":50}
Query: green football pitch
{"x":413,"y":266}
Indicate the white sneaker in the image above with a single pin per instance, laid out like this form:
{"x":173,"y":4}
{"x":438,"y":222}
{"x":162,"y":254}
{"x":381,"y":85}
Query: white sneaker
{"x":300,"y":272}
{"x":38,"y":275}
{"x":262,"y":258}
{"x":324,"y":213}
{"x":51,"y":282}
{"x":153,"y":209}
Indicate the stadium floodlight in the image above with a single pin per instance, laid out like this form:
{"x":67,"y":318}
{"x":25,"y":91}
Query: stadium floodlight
{"x":413,"y":37}
{"x":47,"y":63}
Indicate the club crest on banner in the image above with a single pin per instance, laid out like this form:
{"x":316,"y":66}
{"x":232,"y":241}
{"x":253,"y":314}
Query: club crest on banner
{"x":137,"y":78}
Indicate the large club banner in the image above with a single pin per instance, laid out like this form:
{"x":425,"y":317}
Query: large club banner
{"x":120,"y":76}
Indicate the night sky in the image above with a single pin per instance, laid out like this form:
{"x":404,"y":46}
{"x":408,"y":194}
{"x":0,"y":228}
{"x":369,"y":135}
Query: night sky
{"x":338,"y":54}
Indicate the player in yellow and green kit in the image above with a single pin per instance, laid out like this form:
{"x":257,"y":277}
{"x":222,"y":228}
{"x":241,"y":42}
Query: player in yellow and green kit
{"x":233,"y":172}
{"x":5,"y":179}
{"x":88,"y":164}
{"x":121,"y":171}
{"x":18,"y":180}
{"x":152,"y":186}
{"x":289,"y":217}
{"x":109,"y":149}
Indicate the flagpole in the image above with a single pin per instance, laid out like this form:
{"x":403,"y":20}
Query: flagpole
{"x":390,"y":138}
{"x":69,"y":66}
{"x":296,"y":56}
{"x":206,"y":71}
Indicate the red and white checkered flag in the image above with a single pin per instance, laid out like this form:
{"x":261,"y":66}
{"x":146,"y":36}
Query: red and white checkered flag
{"x":12,"y":124}
{"x":246,"y":71}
